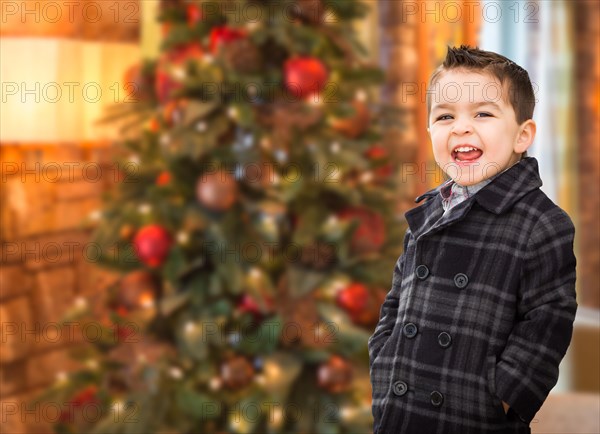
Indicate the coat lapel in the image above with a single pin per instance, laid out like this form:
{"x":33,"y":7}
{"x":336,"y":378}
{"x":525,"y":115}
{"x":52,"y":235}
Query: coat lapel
{"x":496,"y":197}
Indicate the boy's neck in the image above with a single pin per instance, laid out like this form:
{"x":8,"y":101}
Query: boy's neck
{"x":453,"y":193}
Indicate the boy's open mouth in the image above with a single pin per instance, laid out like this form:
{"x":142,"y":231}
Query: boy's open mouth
{"x":466,"y":153}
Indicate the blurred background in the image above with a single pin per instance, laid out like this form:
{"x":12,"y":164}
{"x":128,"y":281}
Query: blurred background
{"x":66,"y":65}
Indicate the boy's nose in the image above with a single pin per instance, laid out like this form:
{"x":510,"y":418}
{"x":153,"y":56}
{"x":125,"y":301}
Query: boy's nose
{"x":462,"y":127}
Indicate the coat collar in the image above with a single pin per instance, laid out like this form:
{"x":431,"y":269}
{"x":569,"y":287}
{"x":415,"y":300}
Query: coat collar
{"x":505,"y":189}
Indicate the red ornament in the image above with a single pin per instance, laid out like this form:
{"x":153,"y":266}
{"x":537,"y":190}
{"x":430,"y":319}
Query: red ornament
{"x":223,"y":35}
{"x":353,"y":298}
{"x":250,"y":305}
{"x":122,"y":311}
{"x":369,"y":316}
{"x":164,"y":178}
{"x":369,"y":235}
{"x":194,"y":14}
{"x":165,"y":83}
{"x":305,"y":75}
{"x":84,"y":397}
{"x":124,"y":331}
{"x":152,"y":244}
{"x":376,"y":152}
{"x":154,"y":125}
{"x":379,"y":154}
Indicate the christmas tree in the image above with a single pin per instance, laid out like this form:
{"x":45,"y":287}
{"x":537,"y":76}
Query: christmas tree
{"x":253,"y":227}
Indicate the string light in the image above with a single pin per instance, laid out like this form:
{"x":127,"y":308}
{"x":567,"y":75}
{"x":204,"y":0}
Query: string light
{"x":61,"y":377}
{"x":183,"y":237}
{"x":175,"y":372}
{"x":215,"y":383}
{"x":361,"y":95}
{"x":80,"y":302}
{"x":190,"y":328}
{"x":147,"y":300}
{"x":366,"y":177}
{"x":96,"y":215}
{"x":255,"y":273}
{"x":165,"y":139}
{"x":332,"y":222}
{"x":144,"y":208}
{"x":232,"y":112}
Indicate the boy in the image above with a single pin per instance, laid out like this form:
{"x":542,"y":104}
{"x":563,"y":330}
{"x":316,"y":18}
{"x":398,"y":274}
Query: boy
{"x":482,"y":303}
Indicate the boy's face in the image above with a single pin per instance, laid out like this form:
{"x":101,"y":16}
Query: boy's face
{"x":471,"y":109}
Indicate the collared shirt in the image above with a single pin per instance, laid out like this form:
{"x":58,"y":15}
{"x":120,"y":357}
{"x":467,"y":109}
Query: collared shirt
{"x":452,"y":193}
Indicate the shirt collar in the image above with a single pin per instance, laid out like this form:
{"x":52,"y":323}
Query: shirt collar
{"x":508,"y":186}
{"x":453,"y":193}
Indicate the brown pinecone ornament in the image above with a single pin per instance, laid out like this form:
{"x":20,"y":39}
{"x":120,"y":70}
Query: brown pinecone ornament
{"x":335,"y":376}
{"x":310,"y":11}
{"x":300,"y":317}
{"x":355,"y":125}
{"x":237,"y":372}
{"x":217,"y":191}
{"x":285,"y":119}
{"x":243,"y":56}
{"x":318,"y":255}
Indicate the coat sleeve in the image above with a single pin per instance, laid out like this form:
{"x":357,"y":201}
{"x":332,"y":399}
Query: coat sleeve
{"x":389,"y":308}
{"x":528,"y":367}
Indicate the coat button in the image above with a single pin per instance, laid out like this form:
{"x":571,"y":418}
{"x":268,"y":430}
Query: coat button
{"x":422,"y":272}
{"x":436,"y":398}
{"x":410,"y":330}
{"x":461,"y":280}
{"x":400,"y":388}
{"x":444,"y":340}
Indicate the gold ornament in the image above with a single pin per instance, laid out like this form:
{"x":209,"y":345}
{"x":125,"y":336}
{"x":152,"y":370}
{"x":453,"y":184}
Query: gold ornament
{"x":354,"y":125}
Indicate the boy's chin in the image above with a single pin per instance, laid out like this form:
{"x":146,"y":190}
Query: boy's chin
{"x":467,"y":179}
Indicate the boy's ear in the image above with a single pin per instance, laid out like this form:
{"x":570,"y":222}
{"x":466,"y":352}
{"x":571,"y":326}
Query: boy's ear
{"x":525,"y":136}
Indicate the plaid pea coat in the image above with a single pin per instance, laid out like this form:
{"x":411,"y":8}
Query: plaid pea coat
{"x":480,"y":311}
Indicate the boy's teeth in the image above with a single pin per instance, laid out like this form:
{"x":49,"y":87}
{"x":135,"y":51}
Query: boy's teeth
{"x":467,"y":153}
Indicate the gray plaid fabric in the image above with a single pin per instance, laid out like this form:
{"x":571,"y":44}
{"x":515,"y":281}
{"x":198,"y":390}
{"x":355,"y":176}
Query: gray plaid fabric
{"x":480,"y":311}
{"x":453,"y":193}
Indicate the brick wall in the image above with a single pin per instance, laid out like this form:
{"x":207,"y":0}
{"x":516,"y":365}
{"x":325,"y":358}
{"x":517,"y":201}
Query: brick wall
{"x":588,"y":135}
{"x":47,"y":196}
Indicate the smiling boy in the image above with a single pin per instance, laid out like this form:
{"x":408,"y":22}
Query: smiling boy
{"x":482,"y":303}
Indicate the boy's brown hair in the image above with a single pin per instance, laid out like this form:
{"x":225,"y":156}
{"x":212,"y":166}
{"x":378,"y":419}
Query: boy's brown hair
{"x":512,"y":77}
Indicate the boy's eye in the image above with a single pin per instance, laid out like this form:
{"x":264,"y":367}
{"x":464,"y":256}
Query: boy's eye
{"x":443,"y":117}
